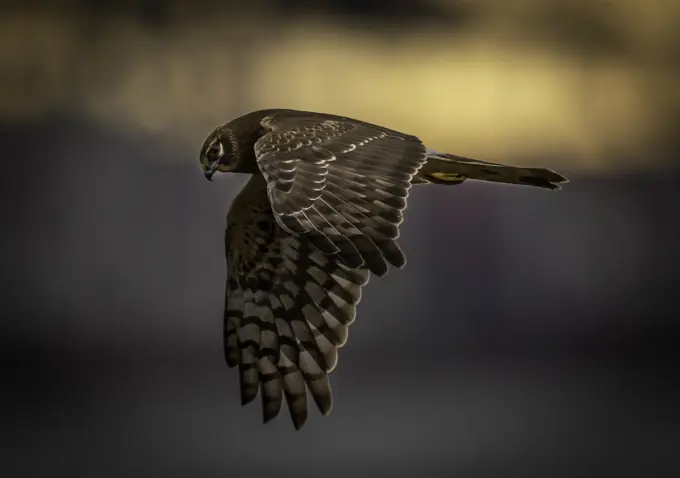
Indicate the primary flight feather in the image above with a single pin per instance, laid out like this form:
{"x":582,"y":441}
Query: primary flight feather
{"x":320,"y":213}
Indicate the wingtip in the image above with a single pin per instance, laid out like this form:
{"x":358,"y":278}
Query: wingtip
{"x":324,"y":403}
{"x":327,"y":411}
{"x":270,"y":411}
{"x":266,"y":418}
{"x":299,"y":423}
{"x":247,"y":396}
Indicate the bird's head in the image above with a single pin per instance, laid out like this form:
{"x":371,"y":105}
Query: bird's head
{"x":220,"y":153}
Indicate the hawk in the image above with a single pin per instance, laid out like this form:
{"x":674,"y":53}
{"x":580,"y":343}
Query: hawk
{"x":319,"y":214}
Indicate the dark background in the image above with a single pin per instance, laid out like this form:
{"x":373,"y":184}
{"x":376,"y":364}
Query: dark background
{"x":531,"y":334}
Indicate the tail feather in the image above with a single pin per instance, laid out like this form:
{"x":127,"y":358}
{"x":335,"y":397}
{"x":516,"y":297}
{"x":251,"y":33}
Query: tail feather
{"x":443,"y":168}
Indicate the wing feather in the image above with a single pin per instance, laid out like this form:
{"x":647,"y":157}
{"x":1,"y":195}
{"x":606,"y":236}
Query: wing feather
{"x":288,"y":310}
{"x":302,"y":240}
{"x":349,"y":184}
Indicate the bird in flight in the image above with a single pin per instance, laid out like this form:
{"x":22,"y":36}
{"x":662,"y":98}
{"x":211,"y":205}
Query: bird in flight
{"x":319,"y":214}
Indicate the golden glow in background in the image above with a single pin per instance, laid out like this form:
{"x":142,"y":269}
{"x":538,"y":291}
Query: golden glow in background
{"x":509,"y":85}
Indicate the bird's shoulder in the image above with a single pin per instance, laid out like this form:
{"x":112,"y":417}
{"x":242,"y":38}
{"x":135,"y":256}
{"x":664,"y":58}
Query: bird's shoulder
{"x":261,"y":122}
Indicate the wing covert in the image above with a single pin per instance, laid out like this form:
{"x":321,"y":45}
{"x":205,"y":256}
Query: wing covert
{"x":341,"y":182}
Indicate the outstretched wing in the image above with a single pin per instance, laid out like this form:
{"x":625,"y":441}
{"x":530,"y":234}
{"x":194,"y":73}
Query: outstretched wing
{"x":340,"y":182}
{"x":301,"y":241}
{"x":288,"y":308}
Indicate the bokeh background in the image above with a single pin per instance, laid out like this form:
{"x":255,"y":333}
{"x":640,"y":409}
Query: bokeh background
{"x":532,"y":333}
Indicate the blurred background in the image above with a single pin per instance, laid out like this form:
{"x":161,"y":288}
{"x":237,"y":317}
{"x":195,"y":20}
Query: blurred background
{"x":531,"y":334}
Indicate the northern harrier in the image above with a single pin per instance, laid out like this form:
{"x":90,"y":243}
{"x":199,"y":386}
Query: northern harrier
{"x":320,"y":213}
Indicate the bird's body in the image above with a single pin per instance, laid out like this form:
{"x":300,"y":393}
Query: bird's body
{"x":320,"y":213}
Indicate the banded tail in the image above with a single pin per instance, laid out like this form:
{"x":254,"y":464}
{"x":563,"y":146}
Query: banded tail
{"x":443,"y":168}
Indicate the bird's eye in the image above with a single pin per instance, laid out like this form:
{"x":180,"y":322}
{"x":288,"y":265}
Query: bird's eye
{"x":216,"y":150}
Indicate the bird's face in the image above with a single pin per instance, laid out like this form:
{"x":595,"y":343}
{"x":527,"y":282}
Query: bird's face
{"x":219,"y":154}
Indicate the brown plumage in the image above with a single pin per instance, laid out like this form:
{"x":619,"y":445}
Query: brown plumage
{"x":320,"y":213}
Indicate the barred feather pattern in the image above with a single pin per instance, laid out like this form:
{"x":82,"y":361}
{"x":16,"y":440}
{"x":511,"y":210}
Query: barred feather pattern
{"x":302,"y":239}
{"x":320,"y":213}
{"x":342,"y":183}
{"x":288,"y":308}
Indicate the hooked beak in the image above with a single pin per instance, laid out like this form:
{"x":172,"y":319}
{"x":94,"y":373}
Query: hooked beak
{"x":215,"y":173}
{"x":210,"y":171}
